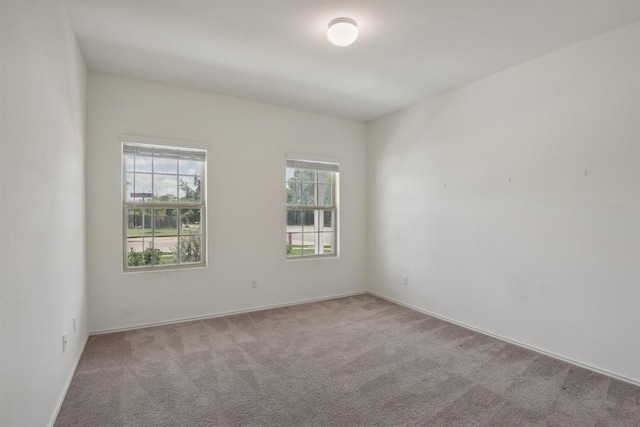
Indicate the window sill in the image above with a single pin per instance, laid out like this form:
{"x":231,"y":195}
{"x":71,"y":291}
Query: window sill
{"x":312,"y":257}
{"x":167,"y":268}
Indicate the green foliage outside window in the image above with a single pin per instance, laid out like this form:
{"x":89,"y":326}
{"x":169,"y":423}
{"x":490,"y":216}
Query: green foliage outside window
{"x":188,"y":250}
{"x":149,"y":256}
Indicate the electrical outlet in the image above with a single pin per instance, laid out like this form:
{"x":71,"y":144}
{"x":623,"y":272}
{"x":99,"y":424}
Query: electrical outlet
{"x":405,"y":280}
{"x":64,"y":342}
{"x":254,"y":283}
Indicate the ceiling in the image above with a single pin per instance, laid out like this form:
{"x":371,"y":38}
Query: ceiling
{"x":276,"y":51}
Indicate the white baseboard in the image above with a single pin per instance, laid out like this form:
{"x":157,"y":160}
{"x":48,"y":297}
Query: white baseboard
{"x":224,"y":313}
{"x":56,"y":411}
{"x":511,"y":341}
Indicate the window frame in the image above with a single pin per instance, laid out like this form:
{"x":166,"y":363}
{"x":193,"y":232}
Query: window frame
{"x":334,"y":207}
{"x":177,"y":145}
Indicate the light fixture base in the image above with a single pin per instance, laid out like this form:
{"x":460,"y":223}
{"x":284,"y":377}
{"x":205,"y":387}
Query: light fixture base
{"x":345,"y":20}
{"x":342,"y":31}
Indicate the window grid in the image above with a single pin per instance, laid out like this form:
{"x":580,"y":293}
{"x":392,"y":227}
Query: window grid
{"x":311,"y":243}
{"x":181,"y":243}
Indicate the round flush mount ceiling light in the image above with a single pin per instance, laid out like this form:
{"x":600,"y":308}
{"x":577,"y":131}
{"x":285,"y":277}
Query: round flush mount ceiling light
{"x":342,"y":31}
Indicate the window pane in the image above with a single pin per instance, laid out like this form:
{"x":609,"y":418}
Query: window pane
{"x":324,"y":195}
{"x":138,"y":244}
{"x":139,"y":223}
{"x":294,"y":220}
{"x":308,"y":194}
{"x":190,"y":167}
{"x":129,"y":163}
{"x":307,"y":175}
{"x":291,"y":174}
{"x":309,"y":243}
{"x":165,"y":188}
{"x":128,"y":186}
{"x":166,"y":248}
{"x":189,"y":189}
{"x":142,"y":253}
{"x":142,"y":164}
{"x":190,"y":220}
{"x":152,"y":256}
{"x":294,"y":244}
{"x":328,"y":221}
{"x":190,"y":250}
{"x":325,"y":177}
{"x":164,"y":165}
{"x":327,"y":243}
{"x":166,"y":222}
{"x":308,"y":221}
{"x":142,"y":190}
{"x":139,"y":238}
{"x":294,"y":196}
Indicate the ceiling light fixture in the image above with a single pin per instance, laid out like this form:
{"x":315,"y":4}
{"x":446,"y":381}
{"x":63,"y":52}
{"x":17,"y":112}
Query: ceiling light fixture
{"x":342,"y":31}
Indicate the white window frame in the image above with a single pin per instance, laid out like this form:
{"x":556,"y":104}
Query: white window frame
{"x":177,"y":145}
{"x":317,"y":163}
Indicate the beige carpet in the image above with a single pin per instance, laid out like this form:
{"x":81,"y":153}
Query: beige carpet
{"x":345,"y":362}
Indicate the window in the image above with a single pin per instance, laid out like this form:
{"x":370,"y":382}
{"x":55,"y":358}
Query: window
{"x":164,"y":208}
{"x":311,"y":209}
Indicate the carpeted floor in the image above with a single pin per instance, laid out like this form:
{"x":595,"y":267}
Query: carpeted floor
{"x":346,"y":362}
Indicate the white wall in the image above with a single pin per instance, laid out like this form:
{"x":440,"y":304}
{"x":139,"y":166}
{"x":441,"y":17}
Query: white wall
{"x":42,"y":209}
{"x":549,"y":259}
{"x":246,"y":194}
